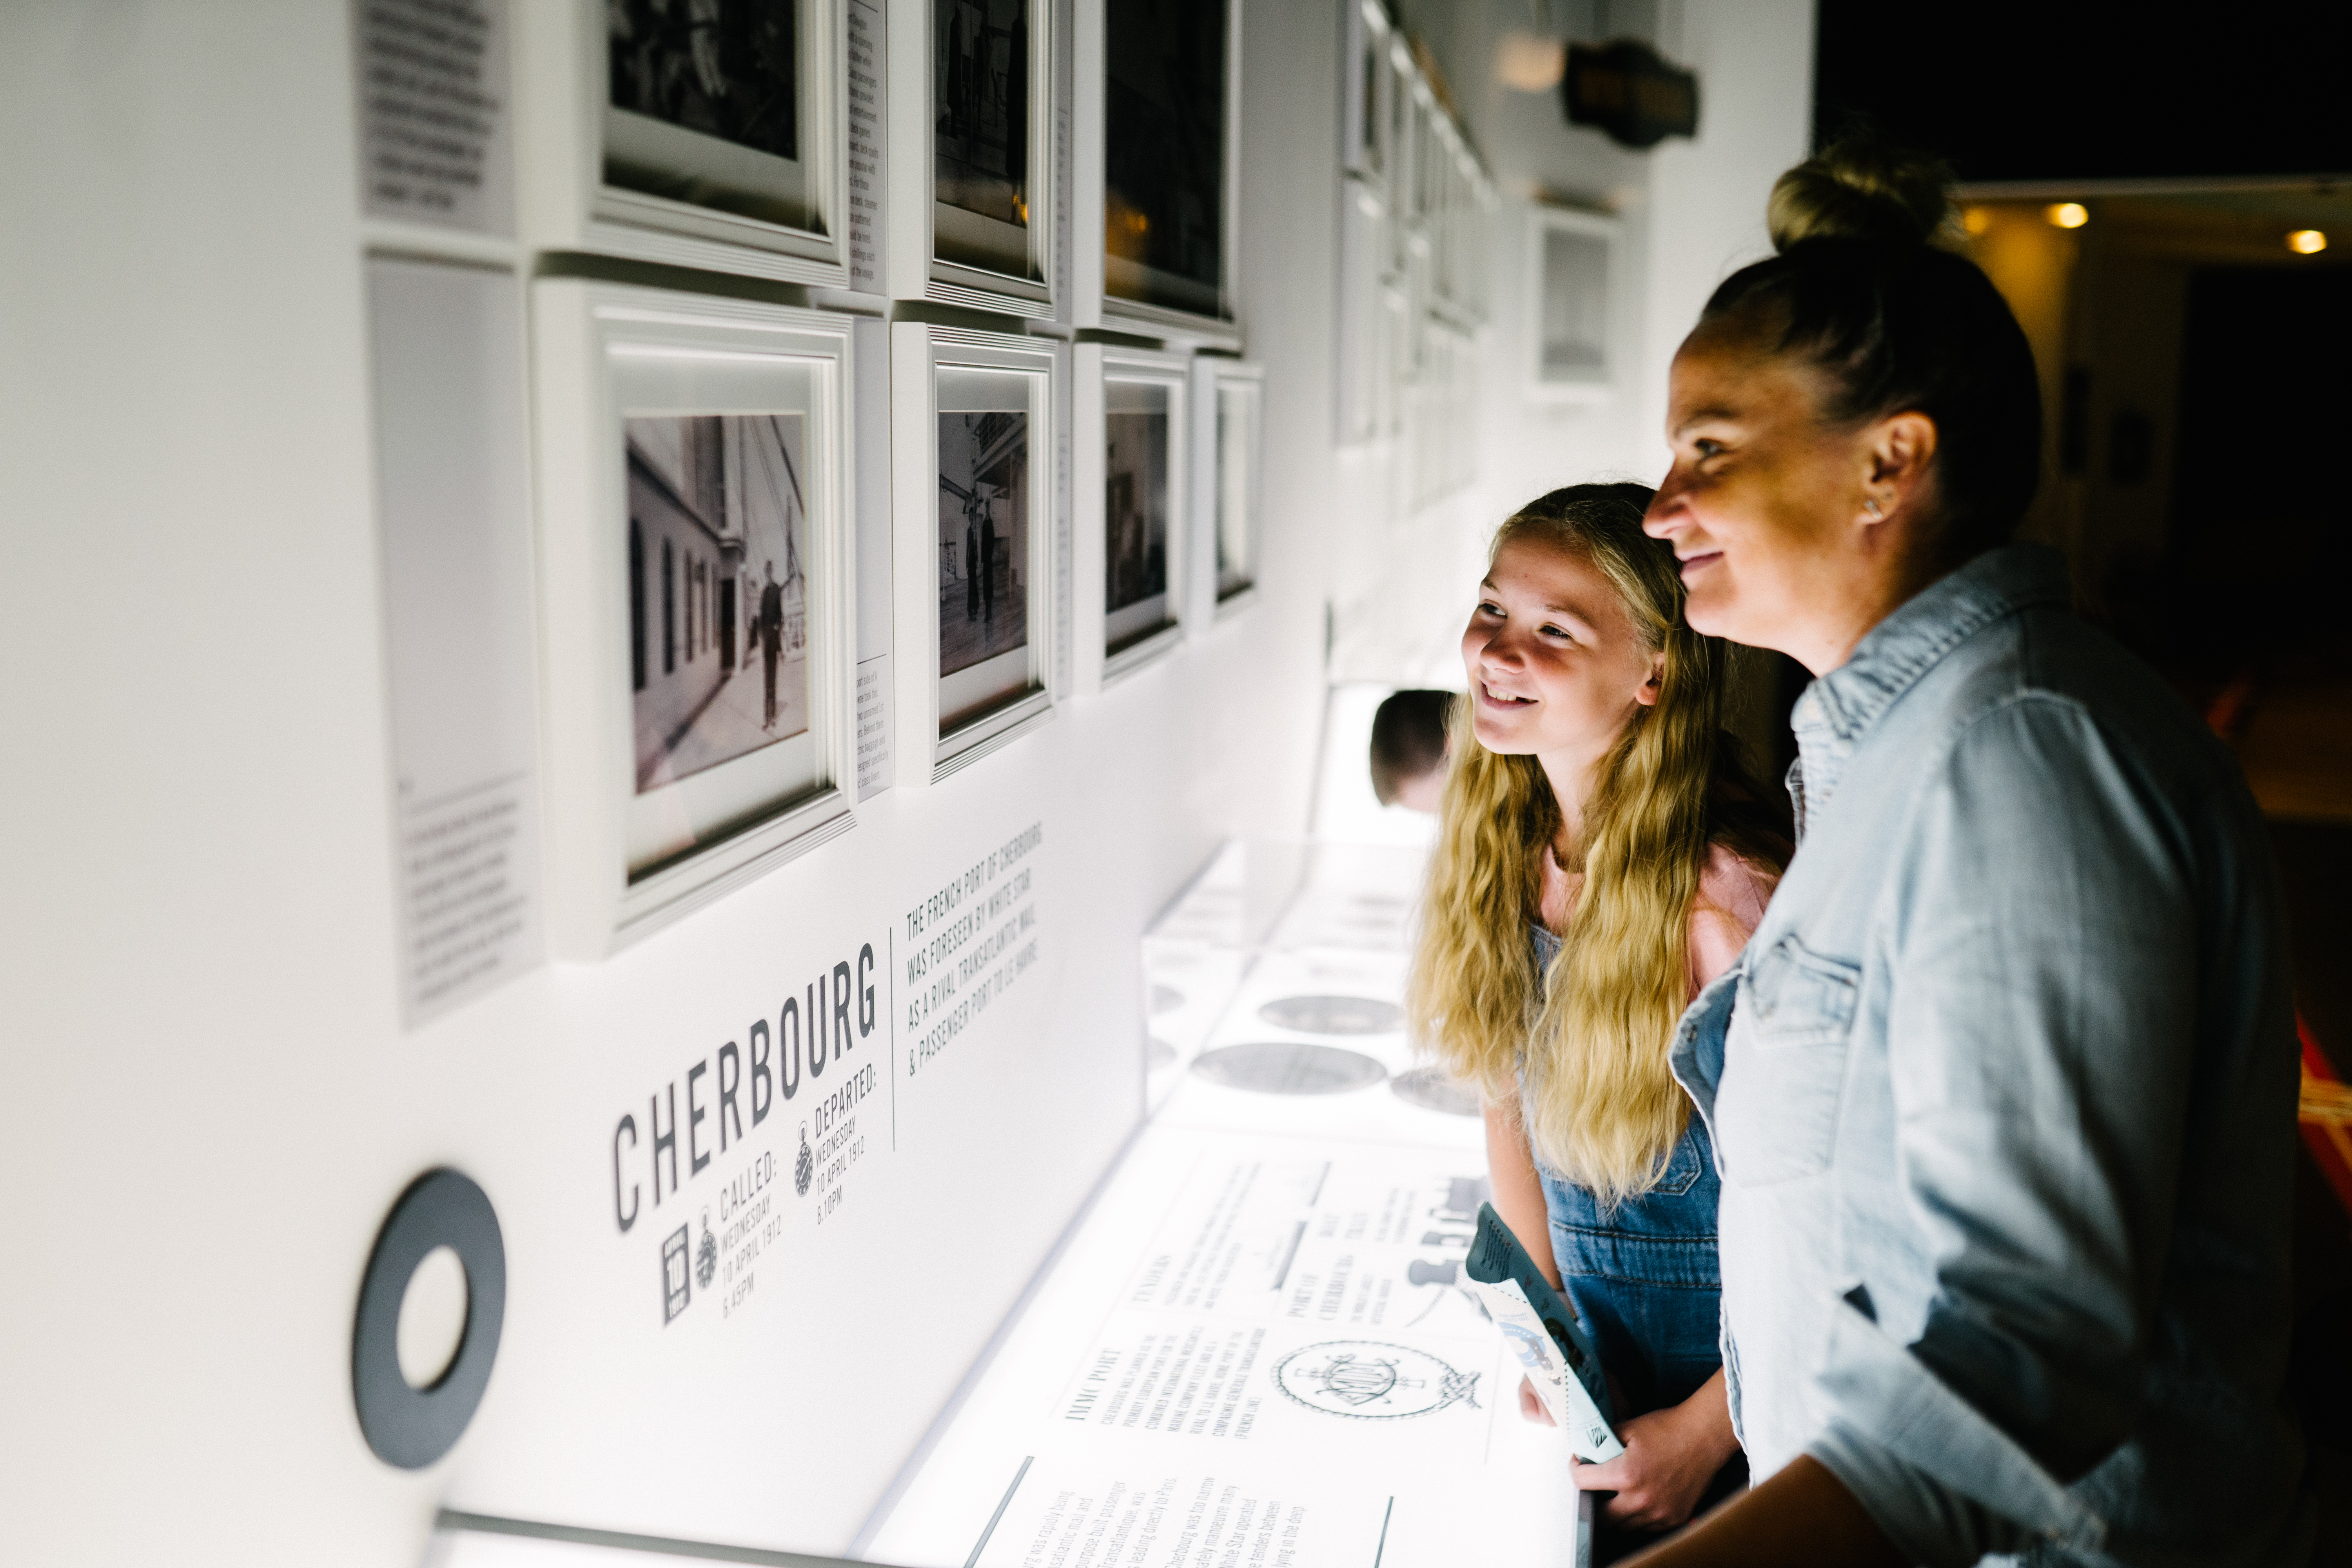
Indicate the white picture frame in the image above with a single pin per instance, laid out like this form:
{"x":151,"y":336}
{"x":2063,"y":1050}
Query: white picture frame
{"x":648,"y":822}
{"x":1124,"y":293}
{"x":1365,"y":138}
{"x":1364,"y":258}
{"x":598,"y":177}
{"x":946,"y":719}
{"x":1228,"y":489}
{"x":952,"y":253}
{"x":1573,"y":260}
{"x":1123,"y":616}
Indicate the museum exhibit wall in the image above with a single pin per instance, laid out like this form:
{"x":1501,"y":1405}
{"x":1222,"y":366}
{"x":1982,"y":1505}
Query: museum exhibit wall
{"x":224,"y":1067}
{"x":1688,"y":213}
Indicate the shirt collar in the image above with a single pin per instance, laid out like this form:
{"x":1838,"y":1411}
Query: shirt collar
{"x":1840,"y":707}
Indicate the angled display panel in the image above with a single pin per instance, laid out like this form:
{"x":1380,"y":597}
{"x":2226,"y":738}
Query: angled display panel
{"x":695,"y":566}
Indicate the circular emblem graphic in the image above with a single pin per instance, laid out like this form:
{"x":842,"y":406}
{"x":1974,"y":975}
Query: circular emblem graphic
{"x":803,"y":1168}
{"x":706,"y":1256}
{"x":1288,"y":1067}
{"x":1368,"y":1380}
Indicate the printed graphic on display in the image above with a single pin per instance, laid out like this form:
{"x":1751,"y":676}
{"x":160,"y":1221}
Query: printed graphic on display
{"x":1135,"y":509}
{"x":1369,"y":1381}
{"x":983,"y":537}
{"x":979,"y":98}
{"x":718,"y":589}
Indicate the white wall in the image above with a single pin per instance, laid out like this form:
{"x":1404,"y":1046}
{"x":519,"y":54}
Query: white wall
{"x":1693,"y":211}
{"x":212,"y":1102}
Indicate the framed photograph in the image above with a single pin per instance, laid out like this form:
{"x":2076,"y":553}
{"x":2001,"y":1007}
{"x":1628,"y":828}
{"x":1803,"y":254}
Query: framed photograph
{"x":1170,"y":162}
{"x":1364,"y":253}
{"x":1365,"y":94}
{"x":991,"y":143}
{"x":1132,"y":479}
{"x":694,"y":558}
{"x":1228,"y":478}
{"x":1571,"y":261}
{"x":972,"y":560}
{"x":708,"y":134}
{"x":1403,"y":76}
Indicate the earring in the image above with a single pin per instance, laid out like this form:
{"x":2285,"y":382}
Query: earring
{"x":1870,"y":505}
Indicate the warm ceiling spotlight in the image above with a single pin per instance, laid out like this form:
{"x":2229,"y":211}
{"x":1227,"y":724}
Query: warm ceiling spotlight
{"x":1976,"y":220}
{"x":2067,"y":215}
{"x":1525,"y":63}
{"x":2306,"y":242}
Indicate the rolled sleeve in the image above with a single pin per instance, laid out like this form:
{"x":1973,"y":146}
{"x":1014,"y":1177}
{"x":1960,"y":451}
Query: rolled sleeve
{"x":1945,"y":1485}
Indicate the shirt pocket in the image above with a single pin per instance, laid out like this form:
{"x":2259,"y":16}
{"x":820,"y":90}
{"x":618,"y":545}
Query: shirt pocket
{"x":1784,"y":1065}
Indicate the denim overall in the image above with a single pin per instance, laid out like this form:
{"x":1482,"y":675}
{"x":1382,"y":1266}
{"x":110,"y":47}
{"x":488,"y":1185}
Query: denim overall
{"x":1644,"y":1281}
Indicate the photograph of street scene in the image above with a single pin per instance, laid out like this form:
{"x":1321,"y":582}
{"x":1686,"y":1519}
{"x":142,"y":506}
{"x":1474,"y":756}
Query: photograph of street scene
{"x":983,"y":537}
{"x":718,"y":589}
{"x":1135,"y":517}
{"x":980,"y":93}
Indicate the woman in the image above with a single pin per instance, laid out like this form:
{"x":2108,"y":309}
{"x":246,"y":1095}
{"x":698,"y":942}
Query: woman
{"x":1600,"y":856}
{"x":2002,"y":1088}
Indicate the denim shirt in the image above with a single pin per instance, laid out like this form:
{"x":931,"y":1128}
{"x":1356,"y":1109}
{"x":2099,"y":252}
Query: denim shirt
{"x":2002,"y":1093}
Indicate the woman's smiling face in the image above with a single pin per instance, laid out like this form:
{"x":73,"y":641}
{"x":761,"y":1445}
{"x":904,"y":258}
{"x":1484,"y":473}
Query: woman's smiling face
{"x":1557,"y":666}
{"x":1760,"y":504}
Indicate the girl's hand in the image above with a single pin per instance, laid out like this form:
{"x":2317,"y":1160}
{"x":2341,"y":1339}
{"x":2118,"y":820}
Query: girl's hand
{"x":1531,"y":1404}
{"x":1670,"y":1457}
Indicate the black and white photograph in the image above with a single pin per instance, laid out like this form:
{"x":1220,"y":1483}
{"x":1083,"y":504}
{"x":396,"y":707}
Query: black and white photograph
{"x":980,"y":98}
{"x":983,"y":537}
{"x":1135,"y":512}
{"x":1237,"y":458}
{"x":705,"y":103}
{"x":1164,"y":154}
{"x":718,"y":589}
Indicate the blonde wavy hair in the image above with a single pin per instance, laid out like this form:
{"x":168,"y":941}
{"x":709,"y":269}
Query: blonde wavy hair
{"x":1598,"y":1104}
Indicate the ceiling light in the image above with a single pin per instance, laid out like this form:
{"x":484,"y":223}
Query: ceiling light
{"x":2306,"y":242}
{"x":2067,"y":215}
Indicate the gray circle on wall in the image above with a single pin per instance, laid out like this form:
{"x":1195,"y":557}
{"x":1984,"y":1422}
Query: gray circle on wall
{"x":1165,"y":999}
{"x":1334,"y":1014}
{"x":1288,"y":1067}
{"x":407,"y":1426}
{"x":1158,"y":1053}
{"x":1433,"y":1089}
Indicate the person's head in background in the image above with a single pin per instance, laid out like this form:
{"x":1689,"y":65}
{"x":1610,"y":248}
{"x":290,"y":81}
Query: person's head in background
{"x":1409,"y":748}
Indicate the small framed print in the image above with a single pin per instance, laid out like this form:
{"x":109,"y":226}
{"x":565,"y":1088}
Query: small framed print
{"x":1228,"y":475}
{"x":1134,"y":454}
{"x":1364,"y":140}
{"x":1364,"y":256}
{"x":694,"y":558}
{"x":972,"y":444}
{"x":1171,"y":162}
{"x":992,"y":117}
{"x":1571,"y":261}
{"x":1403,"y":76}
{"x":708,"y":134}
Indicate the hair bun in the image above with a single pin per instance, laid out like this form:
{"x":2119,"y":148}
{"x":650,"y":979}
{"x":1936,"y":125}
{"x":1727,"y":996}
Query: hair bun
{"x":1862,"y":188}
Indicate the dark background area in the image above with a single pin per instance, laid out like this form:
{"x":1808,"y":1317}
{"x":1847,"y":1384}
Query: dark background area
{"x":2066,"y":91}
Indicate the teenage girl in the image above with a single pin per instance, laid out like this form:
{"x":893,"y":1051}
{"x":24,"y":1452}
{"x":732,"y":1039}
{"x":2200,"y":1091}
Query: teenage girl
{"x":1601,"y":855}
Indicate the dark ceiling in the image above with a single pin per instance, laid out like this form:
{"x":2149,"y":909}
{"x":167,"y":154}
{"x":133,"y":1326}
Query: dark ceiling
{"x":2065,"y":90}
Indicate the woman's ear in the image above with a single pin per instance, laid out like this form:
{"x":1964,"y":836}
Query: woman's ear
{"x":1647,"y":693}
